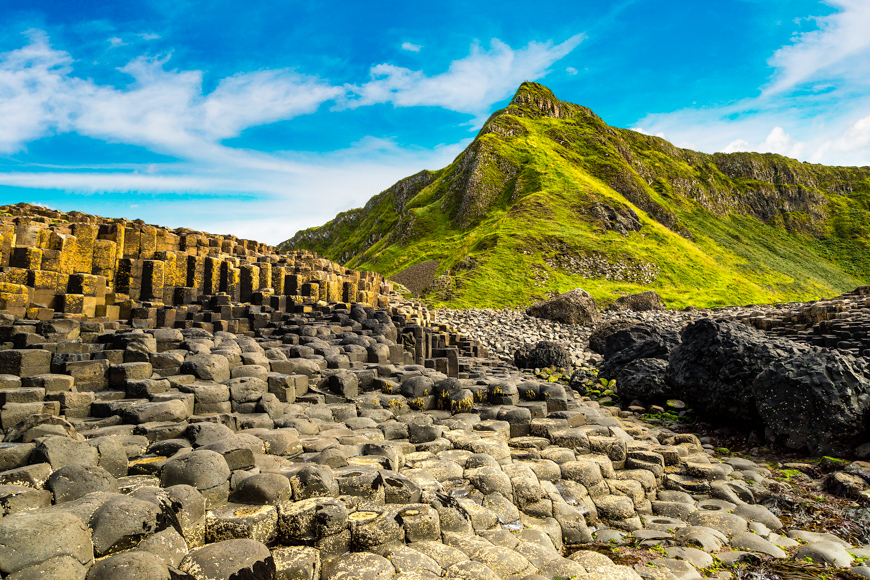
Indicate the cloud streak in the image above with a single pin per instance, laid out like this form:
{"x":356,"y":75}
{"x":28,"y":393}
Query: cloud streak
{"x":470,"y":85}
{"x":814,"y":108}
{"x":837,"y":49}
{"x":167,"y":111}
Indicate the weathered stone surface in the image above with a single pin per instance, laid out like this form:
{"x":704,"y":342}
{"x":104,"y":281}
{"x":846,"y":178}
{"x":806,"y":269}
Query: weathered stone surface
{"x":29,"y":538}
{"x":208,"y":367}
{"x":641,"y":302}
{"x":202,"y":469}
{"x":74,"y":481}
{"x":135,"y":565}
{"x":815,"y":401}
{"x":359,"y":566}
{"x":573,"y":307}
{"x":714,"y":367}
{"x":60,"y":567}
{"x":543,"y":355}
{"x":121,"y":522}
{"x":230,"y":559}
{"x":19,"y":498}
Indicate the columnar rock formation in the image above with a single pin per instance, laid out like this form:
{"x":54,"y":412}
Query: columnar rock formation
{"x":842,"y":322}
{"x":84,"y":266}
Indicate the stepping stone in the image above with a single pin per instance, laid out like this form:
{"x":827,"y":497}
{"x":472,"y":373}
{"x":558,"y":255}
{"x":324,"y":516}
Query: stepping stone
{"x":296,"y":563}
{"x":728,"y":524}
{"x":29,"y":538}
{"x":19,"y":498}
{"x":755,"y":543}
{"x":825,"y":552}
{"x":74,"y":481}
{"x":63,"y":567}
{"x":121,"y":522}
{"x":358,"y":566}
{"x":133,"y":565}
{"x":238,"y":521}
{"x":230,"y":559}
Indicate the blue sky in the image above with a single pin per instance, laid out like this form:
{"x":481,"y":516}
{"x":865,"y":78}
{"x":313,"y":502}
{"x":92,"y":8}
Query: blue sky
{"x":260,"y":118}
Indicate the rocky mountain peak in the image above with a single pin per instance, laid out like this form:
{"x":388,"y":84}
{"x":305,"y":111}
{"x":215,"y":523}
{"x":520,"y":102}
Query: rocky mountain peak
{"x":539,"y":99}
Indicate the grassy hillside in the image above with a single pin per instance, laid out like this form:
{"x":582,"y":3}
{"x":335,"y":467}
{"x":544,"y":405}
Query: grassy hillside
{"x":548,"y":198}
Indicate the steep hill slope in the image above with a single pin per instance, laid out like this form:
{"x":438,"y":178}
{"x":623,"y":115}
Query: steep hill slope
{"x":548,"y":197}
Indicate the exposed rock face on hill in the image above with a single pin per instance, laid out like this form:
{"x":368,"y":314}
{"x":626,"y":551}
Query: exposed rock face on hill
{"x":549,"y":197}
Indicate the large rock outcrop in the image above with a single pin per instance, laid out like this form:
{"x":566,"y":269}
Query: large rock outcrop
{"x":573,"y":307}
{"x":544,"y":354}
{"x":714,"y":367}
{"x":818,"y":401}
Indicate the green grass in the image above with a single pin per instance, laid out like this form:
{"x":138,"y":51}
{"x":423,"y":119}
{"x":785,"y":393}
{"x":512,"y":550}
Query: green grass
{"x":518,"y":202}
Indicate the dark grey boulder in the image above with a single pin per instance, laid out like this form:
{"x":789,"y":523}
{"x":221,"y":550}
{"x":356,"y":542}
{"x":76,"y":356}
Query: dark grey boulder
{"x":423,"y":433}
{"x":415,"y":387}
{"x":544,"y":354}
{"x":189,"y":507}
{"x":208,"y":367}
{"x":573,"y":307}
{"x":313,"y":481}
{"x":247,"y":389}
{"x":278,"y":441}
{"x":168,"y":545}
{"x":74,"y":481}
{"x":19,"y":498}
{"x":611,"y":337}
{"x":503,"y":392}
{"x":236,"y":453}
{"x":200,"y":434}
{"x":62,"y":451}
{"x":714,"y":367}
{"x":111,"y":455}
{"x":817,"y":401}
{"x":640,"y":302}
{"x":582,"y":380}
{"x":344,"y":384}
{"x":399,"y":489}
{"x":658,"y":346}
{"x":642,"y":379}
{"x":173,"y":410}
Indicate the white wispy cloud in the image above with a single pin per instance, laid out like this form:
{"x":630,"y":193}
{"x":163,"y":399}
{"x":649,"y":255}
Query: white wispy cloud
{"x":33,"y":93}
{"x":836,"y":50}
{"x":410,"y":47}
{"x":815,"y":107}
{"x":470,"y":85}
{"x":166,"y":110}
{"x":777,"y":141}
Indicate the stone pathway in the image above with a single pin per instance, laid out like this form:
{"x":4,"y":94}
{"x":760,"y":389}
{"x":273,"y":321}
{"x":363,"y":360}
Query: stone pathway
{"x":318,"y":451}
